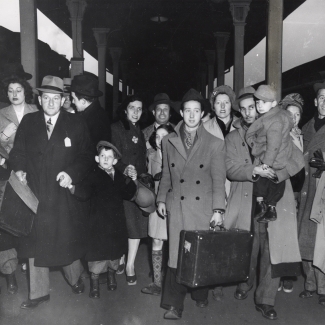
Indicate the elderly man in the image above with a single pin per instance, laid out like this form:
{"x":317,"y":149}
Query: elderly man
{"x":160,"y":109}
{"x":191,"y":192}
{"x":314,"y":139}
{"x":53,"y":151}
{"x":241,"y":210}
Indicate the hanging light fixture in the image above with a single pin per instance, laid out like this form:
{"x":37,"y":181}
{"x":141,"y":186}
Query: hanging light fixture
{"x":159,"y":19}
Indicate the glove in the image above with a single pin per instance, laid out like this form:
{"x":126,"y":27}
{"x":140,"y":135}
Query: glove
{"x":317,"y":162}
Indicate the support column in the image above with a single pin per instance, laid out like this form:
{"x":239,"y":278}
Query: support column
{"x":28,"y":39}
{"x":274,"y":46}
{"x":77,"y":10}
{"x":221,"y":40}
{"x":101,"y":39}
{"x":125,"y":77}
{"x":210,"y":55}
{"x":115,"y":53}
{"x":203,"y":74}
{"x":239,"y":10}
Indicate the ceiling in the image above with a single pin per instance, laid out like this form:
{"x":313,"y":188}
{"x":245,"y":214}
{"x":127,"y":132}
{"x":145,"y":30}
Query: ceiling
{"x":163,"y":57}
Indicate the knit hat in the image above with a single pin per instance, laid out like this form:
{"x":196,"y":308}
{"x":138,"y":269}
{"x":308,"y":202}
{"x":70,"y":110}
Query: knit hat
{"x":266,"y":93}
{"x":224,"y":89}
{"x":293,"y":99}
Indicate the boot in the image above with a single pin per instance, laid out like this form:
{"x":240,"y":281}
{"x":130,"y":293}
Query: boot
{"x":94,"y":287}
{"x":269,"y":215}
{"x":155,"y":287}
{"x":260,"y":208}
{"x":12,"y":286}
{"x":111,"y":280}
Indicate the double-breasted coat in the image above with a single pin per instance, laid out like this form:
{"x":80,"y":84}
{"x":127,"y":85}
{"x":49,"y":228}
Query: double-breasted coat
{"x":191,"y":186}
{"x":60,"y":226}
{"x":306,"y":228}
{"x":108,"y":237}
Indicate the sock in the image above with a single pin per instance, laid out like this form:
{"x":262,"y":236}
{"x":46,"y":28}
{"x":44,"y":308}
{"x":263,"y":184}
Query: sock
{"x":94,"y":276}
{"x":156,"y":263}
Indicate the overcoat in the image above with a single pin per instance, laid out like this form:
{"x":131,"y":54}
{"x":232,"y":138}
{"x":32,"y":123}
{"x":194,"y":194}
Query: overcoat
{"x":191,"y":186}
{"x":306,"y":228}
{"x":283,"y":239}
{"x":108,"y":237}
{"x":59,"y":229}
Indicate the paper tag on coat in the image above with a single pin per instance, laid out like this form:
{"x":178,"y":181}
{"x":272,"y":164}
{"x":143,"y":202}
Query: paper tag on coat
{"x":67,"y":142}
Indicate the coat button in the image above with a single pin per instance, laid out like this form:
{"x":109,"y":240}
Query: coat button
{"x":201,"y":166}
{"x":173,"y":165}
{"x":306,"y":173}
{"x":246,"y":194}
{"x":246,"y":161}
{"x":198,"y":182}
{"x":169,"y":190}
{"x":182,"y":198}
{"x":304,"y":193}
{"x":256,"y":135}
{"x":197,"y":198}
{"x":252,"y":144}
{"x":182,"y":180}
{"x":243,"y":144}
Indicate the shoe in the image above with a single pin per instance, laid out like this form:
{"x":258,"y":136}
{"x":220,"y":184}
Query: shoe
{"x":152,"y":289}
{"x":267,"y":311}
{"x":217,"y":294}
{"x":33,"y":303}
{"x":131,"y":280}
{"x":94,"y":288}
{"x":120,"y":269}
{"x":202,"y":303}
{"x":23,"y":268}
{"x":111,"y":280}
{"x":241,"y":294}
{"x":321,"y":300}
{"x":173,"y":313}
{"x":79,"y":287}
{"x":306,"y":294}
{"x":260,"y":208}
{"x":12,"y":286}
{"x":287,"y":286}
{"x":269,"y":215}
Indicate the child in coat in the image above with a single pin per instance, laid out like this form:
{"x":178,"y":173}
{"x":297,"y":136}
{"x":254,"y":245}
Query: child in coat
{"x":108,"y":238}
{"x":271,"y":144}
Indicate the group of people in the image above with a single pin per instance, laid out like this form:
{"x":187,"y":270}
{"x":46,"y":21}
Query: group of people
{"x":237,"y":162}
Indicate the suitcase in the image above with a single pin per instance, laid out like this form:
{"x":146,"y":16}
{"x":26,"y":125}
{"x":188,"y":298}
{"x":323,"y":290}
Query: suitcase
{"x":213,"y":257}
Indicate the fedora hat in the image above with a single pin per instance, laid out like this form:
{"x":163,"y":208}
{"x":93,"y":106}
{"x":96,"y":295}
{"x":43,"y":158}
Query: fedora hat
{"x":145,"y":196}
{"x":161,"y":98}
{"x":109,"y":145}
{"x":244,"y":93}
{"x":50,"y":84}
{"x":85,"y":85}
{"x":318,"y":86}
{"x":14,"y":70}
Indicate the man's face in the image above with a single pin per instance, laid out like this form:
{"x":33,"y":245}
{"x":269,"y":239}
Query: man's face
{"x":106,"y":159}
{"x":222,"y":106}
{"x":192,"y":114}
{"x":248,"y":110}
{"x":161,"y":113}
{"x":79,"y":103}
{"x":320,"y":103}
{"x":67,"y":101}
{"x":51,"y":103}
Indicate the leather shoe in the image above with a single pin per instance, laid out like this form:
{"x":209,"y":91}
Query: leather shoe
{"x":321,"y":300}
{"x":269,"y":215}
{"x":131,"y":280}
{"x":120,"y":269}
{"x":306,"y":294}
{"x":94,"y":288}
{"x":12,"y":286}
{"x":217,"y":293}
{"x":152,"y":289}
{"x":260,"y":208}
{"x":267,"y":311}
{"x":33,"y":303}
{"x":173,"y":313}
{"x":241,"y":294}
{"x":79,"y":287}
{"x":111,"y":280}
{"x":202,"y":303}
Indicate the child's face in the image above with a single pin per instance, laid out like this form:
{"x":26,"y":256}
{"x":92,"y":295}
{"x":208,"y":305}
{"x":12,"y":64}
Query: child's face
{"x":106,"y":159}
{"x":160,"y":133}
{"x":263,"y":107}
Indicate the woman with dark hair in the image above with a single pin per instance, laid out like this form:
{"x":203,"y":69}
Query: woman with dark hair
{"x":129,"y":140}
{"x":20,"y":95}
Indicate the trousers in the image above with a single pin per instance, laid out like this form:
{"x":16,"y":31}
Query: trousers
{"x":8,"y":261}
{"x":315,"y":278}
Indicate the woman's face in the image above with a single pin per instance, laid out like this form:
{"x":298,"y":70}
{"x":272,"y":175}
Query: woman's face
{"x":295,"y":113}
{"x":222,"y":106}
{"x":16,"y":94}
{"x":160,"y":133}
{"x":134,"y":111}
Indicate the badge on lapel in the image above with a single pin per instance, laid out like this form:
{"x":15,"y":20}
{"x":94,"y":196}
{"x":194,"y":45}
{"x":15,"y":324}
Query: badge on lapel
{"x":67,"y":142}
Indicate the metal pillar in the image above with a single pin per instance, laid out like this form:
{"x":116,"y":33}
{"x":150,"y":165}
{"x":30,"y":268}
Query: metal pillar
{"x":210,"y":55}
{"x":221,"y":40}
{"x":203,"y":75}
{"x":125,"y":77}
{"x":115,"y":53}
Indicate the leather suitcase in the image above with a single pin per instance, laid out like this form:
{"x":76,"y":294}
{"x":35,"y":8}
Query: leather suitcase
{"x":213,"y":257}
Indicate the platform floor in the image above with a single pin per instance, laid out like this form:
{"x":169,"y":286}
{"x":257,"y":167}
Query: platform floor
{"x":128,"y":306}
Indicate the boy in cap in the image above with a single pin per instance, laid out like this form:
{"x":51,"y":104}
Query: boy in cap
{"x":269,"y":138}
{"x":108,"y":237}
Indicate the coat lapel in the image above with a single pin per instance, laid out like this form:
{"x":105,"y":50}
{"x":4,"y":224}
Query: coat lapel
{"x":9,"y":113}
{"x":315,"y":139}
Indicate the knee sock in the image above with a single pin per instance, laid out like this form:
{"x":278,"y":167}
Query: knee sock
{"x":156,"y":263}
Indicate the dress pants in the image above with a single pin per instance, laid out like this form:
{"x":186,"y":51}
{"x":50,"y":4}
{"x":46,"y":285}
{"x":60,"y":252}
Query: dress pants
{"x":8,"y":261}
{"x":315,"y":278}
{"x":39,"y":277}
{"x":174,"y":293}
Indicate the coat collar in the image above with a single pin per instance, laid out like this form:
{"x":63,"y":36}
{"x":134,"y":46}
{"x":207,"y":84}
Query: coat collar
{"x":10,"y":114}
{"x":314,"y":139}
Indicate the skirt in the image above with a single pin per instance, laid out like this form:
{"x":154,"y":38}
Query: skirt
{"x":136,"y":223}
{"x":157,"y":227}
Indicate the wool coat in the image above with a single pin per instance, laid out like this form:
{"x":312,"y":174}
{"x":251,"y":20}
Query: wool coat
{"x":306,"y":228}
{"x":108,"y":237}
{"x":282,"y":233}
{"x":60,"y":226}
{"x":270,"y":140}
{"x":191,"y":186}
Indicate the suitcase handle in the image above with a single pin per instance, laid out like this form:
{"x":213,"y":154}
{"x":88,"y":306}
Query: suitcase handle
{"x":213,"y":227}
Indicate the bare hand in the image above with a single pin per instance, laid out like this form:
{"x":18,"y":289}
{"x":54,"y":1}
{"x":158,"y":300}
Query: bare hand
{"x":10,"y":130}
{"x":2,"y":161}
{"x":64,"y":179}
{"x":131,"y":172}
{"x":268,"y":173}
{"x":22,"y":176}
{"x":162,"y":209}
{"x":216,"y":219}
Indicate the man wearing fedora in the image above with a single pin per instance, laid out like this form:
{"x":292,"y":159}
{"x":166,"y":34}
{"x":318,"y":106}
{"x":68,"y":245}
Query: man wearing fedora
{"x":314,"y":139}
{"x":191,"y":192}
{"x":85,"y":93}
{"x":53,"y":151}
{"x":160,"y":109}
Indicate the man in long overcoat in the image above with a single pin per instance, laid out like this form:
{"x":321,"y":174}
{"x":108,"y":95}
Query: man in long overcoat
{"x":52,"y":151}
{"x":314,"y":139}
{"x":191,"y":192}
